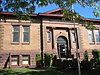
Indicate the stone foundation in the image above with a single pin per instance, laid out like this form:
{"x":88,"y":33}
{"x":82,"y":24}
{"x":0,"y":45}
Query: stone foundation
{"x":5,"y":58}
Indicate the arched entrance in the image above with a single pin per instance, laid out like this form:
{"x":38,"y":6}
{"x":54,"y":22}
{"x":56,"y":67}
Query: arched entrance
{"x":62,"y":46}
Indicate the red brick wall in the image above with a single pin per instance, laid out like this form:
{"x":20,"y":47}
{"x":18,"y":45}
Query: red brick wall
{"x":4,"y":58}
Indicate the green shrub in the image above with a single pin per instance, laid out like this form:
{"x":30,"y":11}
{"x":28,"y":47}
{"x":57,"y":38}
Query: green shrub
{"x":96,"y":54}
{"x":74,"y":64}
{"x":94,"y":63}
{"x":65,"y":64}
{"x":47,"y":59}
{"x":86,"y":56}
{"x":96,"y":58}
{"x":54,"y":59}
{"x":38,"y":60}
{"x":59,"y":64}
{"x":86,"y":65}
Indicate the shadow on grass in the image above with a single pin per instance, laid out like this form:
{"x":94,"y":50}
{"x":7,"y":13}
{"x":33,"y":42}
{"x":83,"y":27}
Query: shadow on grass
{"x":39,"y":71}
{"x":46,"y":71}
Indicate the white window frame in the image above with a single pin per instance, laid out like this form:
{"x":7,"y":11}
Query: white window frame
{"x":91,"y":36}
{"x":48,"y":35}
{"x":14,"y":60}
{"x":16,"y":32}
{"x":97,"y":35}
{"x":26,"y":32}
{"x":25,"y":59}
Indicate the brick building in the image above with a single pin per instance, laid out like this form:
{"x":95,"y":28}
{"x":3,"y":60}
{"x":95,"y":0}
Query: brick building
{"x":21,"y":40}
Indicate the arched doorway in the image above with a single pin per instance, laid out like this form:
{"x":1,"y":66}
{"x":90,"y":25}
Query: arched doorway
{"x":62,"y":46}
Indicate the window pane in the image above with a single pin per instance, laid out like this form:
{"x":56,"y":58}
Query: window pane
{"x":73,"y":36}
{"x":25,"y":60}
{"x":26,"y":37}
{"x":15,"y":36}
{"x":15,"y":33}
{"x":25,"y":57}
{"x":14,"y":60}
{"x":97,"y":34}
{"x":90,"y":32}
{"x":91,"y":37}
{"x":48,"y":36}
{"x":16,"y":28}
{"x":26,"y":33}
{"x":26,"y":28}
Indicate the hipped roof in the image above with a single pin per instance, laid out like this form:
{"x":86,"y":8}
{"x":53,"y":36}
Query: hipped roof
{"x":52,"y":13}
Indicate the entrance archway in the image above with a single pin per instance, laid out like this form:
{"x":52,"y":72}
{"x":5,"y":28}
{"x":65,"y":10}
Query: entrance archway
{"x":62,"y":46}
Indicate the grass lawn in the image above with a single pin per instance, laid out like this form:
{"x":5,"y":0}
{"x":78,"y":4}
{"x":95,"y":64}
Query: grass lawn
{"x":46,"y":71}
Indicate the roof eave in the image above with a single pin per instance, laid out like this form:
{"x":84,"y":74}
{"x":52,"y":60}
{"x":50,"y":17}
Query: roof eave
{"x":50,"y":15}
{"x":11,"y":13}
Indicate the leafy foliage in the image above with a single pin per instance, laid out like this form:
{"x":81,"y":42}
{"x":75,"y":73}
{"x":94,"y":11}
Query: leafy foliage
{"x":96,"y":10}
{"x":38,"y":60}
{"x":76,"y":18}
{"x":86,"y":65}
{"x":47,"y":59}
{"x":26,"y":7}
{"x":96,"y":58}
{"x":86,"y":56}
{"x":96,"y":54}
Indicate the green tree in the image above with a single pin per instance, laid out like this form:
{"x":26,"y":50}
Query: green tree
{"x":28,"y":6}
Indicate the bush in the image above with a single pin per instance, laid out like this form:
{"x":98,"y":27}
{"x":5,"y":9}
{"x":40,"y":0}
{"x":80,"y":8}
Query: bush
{"x":93,"y":63}
{"x":95,"y":54}
{"x":86,"y":65}
{"x":74,"y":64}
{"x":86,"y":56}
{"x":96,"y":58}
{"x":47,"y":59}
{"x":59,"y":64}
{"x":65,"y":64}
{"x":54,"y":60}
{"x":38,"y":60}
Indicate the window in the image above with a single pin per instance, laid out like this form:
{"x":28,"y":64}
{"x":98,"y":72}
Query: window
{"x":73,"y":37}
{"x":25,"y":60}
{"x":97,"y":35}
{"x":91,"y":37}
{"x":48,"y":36}
{"x":14,"y":60}
{"x":26,"y":33}
{"x":15,"y":33}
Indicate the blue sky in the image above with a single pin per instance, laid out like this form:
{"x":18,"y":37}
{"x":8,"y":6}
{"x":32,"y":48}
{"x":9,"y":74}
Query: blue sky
{"x":86,"y":12}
